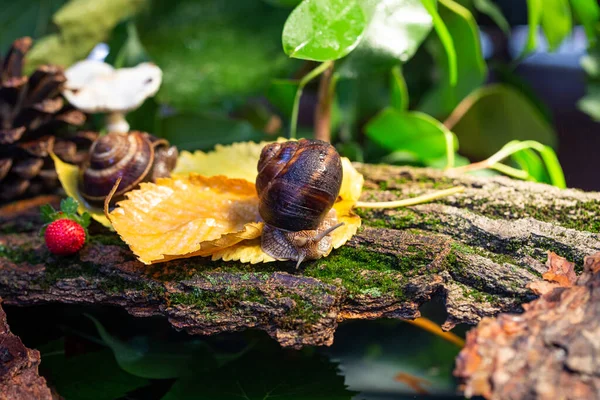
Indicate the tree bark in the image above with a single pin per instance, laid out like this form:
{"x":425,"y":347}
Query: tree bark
{"x":551,"y":351}
{"x":19,"y":378}
{"x":476,"y":250}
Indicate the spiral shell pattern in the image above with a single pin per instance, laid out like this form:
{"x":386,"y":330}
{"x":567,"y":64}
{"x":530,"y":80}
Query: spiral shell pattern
{"x":128,"y":156}
{"x":298,"y":183}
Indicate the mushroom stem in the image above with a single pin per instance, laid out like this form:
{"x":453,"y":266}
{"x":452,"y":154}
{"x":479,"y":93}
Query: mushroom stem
{"x":116,"y":122}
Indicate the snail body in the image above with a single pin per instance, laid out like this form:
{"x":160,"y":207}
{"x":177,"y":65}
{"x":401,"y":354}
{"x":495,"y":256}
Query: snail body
{"x":133,"y":157}
{"x":297,"y":184}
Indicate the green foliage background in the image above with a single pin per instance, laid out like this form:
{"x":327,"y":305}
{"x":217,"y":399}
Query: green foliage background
{"x":408,"y":84}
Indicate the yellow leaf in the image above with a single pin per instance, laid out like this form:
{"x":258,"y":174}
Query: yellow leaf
{"x":216,"y":213}
{"x":185,"y":217}
{"x":237,"y":160}
{"x":68,"y":175}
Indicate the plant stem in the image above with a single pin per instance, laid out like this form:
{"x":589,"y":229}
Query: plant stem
{"x":412,"y":201}
{"x":323,"y":112}
{"x":303,"y":82}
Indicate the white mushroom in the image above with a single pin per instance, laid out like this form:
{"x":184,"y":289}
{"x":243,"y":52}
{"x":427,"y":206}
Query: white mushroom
{"x":94,"y":86}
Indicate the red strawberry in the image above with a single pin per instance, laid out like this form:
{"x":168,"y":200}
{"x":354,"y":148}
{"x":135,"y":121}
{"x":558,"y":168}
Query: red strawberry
{"x":64,"y":237}
{"x":65,"y":232}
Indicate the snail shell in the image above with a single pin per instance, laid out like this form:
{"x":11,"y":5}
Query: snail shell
{"x":297,"y":185}
{"x":134,"y":157}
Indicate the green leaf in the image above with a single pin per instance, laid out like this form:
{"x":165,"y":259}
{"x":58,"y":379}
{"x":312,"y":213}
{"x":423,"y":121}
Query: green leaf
{"x":534,"y":17}
{"x":132,"y":52}
{"x":489,"y":8}
{"x":588,"y":12}
{"x":323,"y":30}
{"x":90,"y":376}
{"x":69,"y":205}
{"x":528,"y":160}
{"x":556,"y":21}
{"x":190,"y":131}
{"x":158,"y":360}
{"x":283,"y":3}
{"x":412,"y":132}
{"x":399,"y":93}
{"x":47,"y":212}
{"x":395,"y":31}
{"x":281,"y":94}
{"x":82,"y":24}
{"x":496,"y":114}
{"x":445,"y":36}
{"x":548,"y":155}
{"x":25,"y":18}
{"x":266,"y":373}
{"x":213,"y":52}
{"x":471,"y":67}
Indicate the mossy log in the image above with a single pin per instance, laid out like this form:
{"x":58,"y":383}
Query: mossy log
{"x":476,"y":251}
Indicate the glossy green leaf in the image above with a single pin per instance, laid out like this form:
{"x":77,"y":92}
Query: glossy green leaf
{"x":412,"y":132}
{"x":89,"y":376}
{"x":82,"y":24}
{"x":496,"y":114}
{"x":158,"y":360}
{"x":534,"y":17}
{"x":396,"y":30}
{"x":588,"y":13}
{"x":266,"y":373}
{"x":472,"y":70}
{"x":446,"y":38}
{"x":491,"y":9}
{"x":281,"y":94}
{"x":528,"y":160}
{"x":213,"y":52}
{"x":556,"y":21}
{"x":323,"y":30}
{"x":555,"y":172}
{"x":204,"y":131}
{"x":399,"y":91}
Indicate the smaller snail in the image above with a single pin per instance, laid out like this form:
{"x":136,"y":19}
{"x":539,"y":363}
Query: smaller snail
{"x":133,"y":157}
{"x":298,"y":182}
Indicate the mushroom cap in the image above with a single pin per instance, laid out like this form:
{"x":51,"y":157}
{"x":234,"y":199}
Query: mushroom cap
{"x":94,"y":86}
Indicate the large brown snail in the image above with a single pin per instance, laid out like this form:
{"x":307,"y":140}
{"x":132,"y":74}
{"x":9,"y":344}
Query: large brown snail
{"x":133,"y":157}
{"x":298,"y":182}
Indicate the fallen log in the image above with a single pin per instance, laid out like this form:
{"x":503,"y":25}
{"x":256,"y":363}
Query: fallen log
{"x":476,"y":250}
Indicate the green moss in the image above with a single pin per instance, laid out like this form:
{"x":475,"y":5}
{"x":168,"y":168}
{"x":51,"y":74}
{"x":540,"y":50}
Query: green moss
{"x":223,"y":299}
{"x":402,"y":218}
{"x":361,"y":271}
{"x":584,"y":216}
{"x":107,"y":239}
{"x":23,"y":254}
{"x":303,"y":312}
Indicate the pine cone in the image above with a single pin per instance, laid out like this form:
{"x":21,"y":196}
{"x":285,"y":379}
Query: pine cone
{"x":34,"y":120}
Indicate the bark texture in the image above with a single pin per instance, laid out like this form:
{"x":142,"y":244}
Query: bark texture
{"x":476,"y":250}
{"x":551,"y":351}
{"x":19,"y":377}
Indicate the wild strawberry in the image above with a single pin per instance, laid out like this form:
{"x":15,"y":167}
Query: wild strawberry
{"x":65,"y":232}
{"x":64,"y":237}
